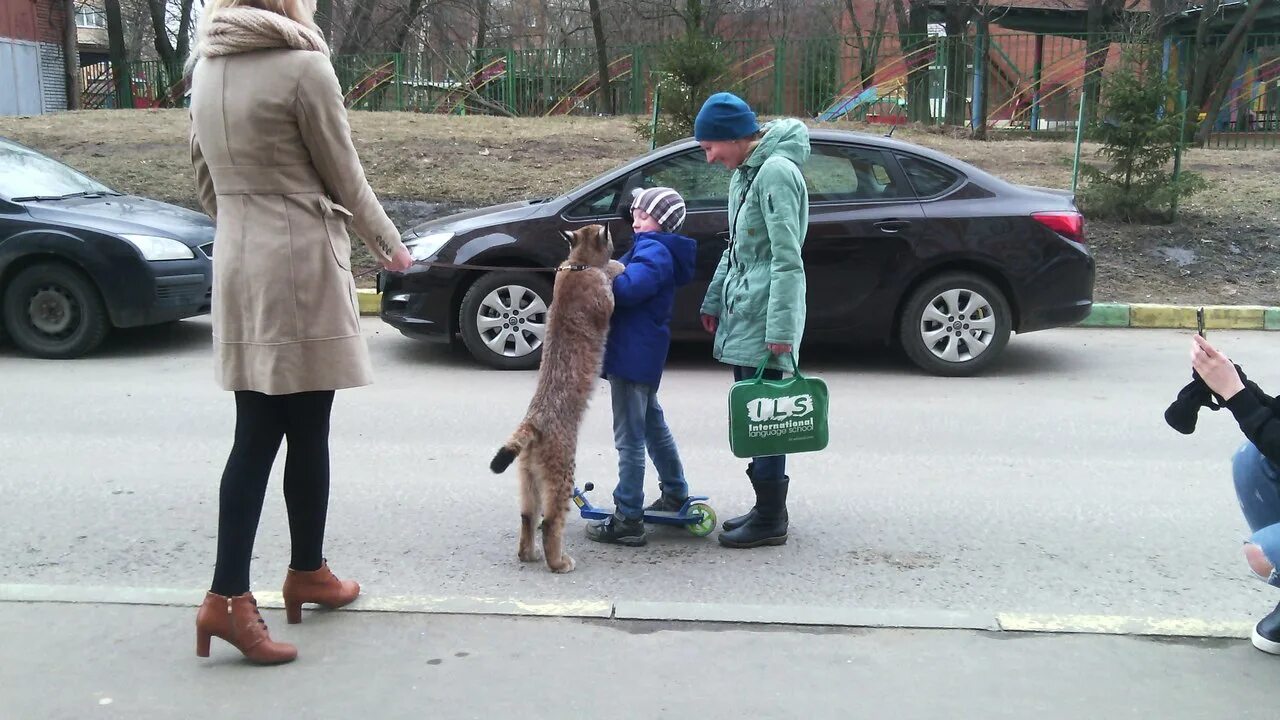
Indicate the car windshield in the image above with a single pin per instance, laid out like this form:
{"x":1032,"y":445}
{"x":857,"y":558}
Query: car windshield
{"x":28,"y":174}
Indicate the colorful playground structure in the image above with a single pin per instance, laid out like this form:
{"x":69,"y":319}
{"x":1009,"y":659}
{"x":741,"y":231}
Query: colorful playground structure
{"x":619,"y":69}
{"x":1028,"y":81}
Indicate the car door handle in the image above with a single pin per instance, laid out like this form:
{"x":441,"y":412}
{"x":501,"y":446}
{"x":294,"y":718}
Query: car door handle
{"x":723,"y":235}
{"x":892,"y":226}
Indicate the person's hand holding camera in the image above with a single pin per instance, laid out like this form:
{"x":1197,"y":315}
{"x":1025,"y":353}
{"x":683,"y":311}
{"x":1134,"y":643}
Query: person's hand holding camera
{"x":1216,"y":369}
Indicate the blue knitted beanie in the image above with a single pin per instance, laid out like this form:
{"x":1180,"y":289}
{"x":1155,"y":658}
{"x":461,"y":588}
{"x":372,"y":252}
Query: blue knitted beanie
{"x":725,"y":116}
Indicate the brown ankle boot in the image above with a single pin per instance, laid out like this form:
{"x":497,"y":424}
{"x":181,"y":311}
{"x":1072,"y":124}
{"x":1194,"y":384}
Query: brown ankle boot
{"x":236,"y":620}
{"x":321,"y":587}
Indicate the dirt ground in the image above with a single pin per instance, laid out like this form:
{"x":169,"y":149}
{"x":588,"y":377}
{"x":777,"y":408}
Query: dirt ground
{"x":1224,"y":247}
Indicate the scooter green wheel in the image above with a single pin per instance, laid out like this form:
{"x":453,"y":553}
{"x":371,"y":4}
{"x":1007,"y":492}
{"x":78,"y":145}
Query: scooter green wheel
{"x":706,"y":519}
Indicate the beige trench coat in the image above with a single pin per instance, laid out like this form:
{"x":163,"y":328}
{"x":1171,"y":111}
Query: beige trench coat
{"x":277,"y":171}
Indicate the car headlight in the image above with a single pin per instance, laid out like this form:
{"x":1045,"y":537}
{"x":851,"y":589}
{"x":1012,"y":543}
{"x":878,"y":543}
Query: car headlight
{"x":159,"y":248}
{"x":424,"y":248}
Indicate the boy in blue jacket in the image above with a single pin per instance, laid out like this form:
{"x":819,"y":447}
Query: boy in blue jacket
{"x":636,"y":352}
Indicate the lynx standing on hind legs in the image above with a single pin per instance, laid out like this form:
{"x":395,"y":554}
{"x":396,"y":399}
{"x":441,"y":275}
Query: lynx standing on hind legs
{"x":546,"y":441}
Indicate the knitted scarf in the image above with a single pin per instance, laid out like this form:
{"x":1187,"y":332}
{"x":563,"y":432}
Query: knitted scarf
{"x":244,"y":29}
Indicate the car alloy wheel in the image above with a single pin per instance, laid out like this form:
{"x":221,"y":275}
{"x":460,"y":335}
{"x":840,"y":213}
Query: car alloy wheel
{"x":512,"y":321}
{"x":955,"y":324}
{"x":503,"y":319}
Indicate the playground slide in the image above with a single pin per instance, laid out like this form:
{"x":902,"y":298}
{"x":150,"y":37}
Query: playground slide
{"x":618,"y":69}
{"x":487,"y":74}
{"x":370,"y":83}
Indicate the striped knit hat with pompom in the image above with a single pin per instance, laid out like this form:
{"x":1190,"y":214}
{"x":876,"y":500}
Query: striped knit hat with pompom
{"x":662,"y":204}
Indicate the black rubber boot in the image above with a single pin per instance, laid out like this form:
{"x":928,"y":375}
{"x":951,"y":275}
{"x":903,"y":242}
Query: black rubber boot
{"x":769,"y":526}
{"x":1266,"y":634}
{"x":737,"y":522}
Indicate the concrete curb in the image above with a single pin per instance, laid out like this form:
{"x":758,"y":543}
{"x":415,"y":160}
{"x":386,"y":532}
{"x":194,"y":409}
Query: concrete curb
{"x":1218,"y":317}
{"x":370,"y":301}
{"x":641,"y":611}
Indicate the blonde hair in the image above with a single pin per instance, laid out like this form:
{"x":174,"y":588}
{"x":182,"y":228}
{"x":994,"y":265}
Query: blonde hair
{"x":300,"y":11}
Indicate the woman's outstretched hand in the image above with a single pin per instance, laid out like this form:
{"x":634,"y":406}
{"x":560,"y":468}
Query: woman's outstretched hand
{"x":400,"y":261}
{"x":1216,"y":369}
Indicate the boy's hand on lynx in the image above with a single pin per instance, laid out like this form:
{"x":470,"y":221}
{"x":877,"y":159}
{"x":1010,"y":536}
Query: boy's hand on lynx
{"x":400,"y":261}
{"x":710,"y":323}
{"x":778,"y":348}
{"x":615,"y":268}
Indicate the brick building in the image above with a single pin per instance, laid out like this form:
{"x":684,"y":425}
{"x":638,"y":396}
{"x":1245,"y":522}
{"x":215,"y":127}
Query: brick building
{"x":33,"y":74}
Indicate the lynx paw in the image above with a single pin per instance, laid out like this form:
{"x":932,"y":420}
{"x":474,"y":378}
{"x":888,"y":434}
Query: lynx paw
{"x":566,"y":565}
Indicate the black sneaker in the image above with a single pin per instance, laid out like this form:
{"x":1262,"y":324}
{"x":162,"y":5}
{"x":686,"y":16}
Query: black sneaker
{"x":618,"y":531}
{"x":1266,"y":634}
{"x":667,"y":503}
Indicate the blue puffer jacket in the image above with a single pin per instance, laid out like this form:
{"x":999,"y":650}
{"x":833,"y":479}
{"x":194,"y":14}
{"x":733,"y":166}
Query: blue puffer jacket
{"x":640,"y":331}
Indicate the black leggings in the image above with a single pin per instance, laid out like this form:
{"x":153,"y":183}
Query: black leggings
{"x":262,"y":421}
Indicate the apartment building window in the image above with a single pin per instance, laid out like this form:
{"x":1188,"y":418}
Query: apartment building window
{"x":87,"y":17}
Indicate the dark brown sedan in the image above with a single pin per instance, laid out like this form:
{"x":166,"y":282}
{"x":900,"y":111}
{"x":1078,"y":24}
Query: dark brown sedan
{"x":905,"y":244}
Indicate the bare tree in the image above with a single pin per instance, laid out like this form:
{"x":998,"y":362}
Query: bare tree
{"x":868,"y":41}
{"x":358,"y":27}
{"x":410,"y":18}
{"x":957,"y":14}
{"x":170,"y":55}
{"x":324,"y":18}
{"x":1101,"y":18}
{"x":71,"y":54}
{"x":1216,"y":64}
{"x":119,"y":58}
{"x":914,"y":41}
{"x":697,"y":16}
{"x":602,"y":58}
{"x":482,"y":26}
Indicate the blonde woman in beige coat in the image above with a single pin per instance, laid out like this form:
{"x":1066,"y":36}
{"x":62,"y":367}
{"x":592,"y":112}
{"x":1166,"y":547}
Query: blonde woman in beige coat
{"x":278,"y":172}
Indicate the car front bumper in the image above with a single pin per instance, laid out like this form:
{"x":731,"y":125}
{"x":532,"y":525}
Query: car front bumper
{"x":420,"y":303}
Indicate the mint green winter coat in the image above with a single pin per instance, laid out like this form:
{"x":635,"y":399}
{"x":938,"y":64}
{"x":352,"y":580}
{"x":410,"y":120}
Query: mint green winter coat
{"x":758,"y":290}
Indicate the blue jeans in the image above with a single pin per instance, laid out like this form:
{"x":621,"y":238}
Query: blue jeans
{"x":639,"y":424}
{"x":1258,"y":489}
{"x":773,"y":467}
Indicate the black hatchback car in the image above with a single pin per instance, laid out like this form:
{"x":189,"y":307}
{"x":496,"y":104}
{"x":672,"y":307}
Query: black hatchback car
{"x":77,"y":258}
{"x":904,"y":244}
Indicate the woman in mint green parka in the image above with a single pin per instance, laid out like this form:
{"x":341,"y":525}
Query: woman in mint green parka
{"x":755,"y":305}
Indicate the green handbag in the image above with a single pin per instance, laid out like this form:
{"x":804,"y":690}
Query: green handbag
{"x":777,"y":417}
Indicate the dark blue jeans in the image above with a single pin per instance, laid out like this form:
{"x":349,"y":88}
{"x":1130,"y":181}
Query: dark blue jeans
{"x":639,"y":425}
{"x":773,"y":467}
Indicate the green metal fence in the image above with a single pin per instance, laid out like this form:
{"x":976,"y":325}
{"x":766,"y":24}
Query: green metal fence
{"x":1005,"y":82}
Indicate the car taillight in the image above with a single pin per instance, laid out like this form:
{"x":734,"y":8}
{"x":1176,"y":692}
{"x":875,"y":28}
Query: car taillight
{"x":1069,"y":225}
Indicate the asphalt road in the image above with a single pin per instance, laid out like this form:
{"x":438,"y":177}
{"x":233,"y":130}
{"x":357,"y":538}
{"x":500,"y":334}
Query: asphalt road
{"x":1050,"y":486}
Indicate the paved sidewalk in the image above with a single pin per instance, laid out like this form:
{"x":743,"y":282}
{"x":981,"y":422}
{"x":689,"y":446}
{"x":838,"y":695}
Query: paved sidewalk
{"x":83,"y":660}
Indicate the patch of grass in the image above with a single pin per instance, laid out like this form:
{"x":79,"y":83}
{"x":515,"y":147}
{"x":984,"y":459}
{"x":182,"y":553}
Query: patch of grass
{"x":477,"y":160}
{"x":466,"y":161}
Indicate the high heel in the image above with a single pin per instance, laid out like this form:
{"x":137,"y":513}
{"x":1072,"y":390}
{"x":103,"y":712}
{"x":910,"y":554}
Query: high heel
{"x":320,"y":586}
{"x":237,"y":620}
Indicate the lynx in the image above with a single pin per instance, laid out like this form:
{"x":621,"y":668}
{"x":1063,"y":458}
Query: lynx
{"x":546,"y":441}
